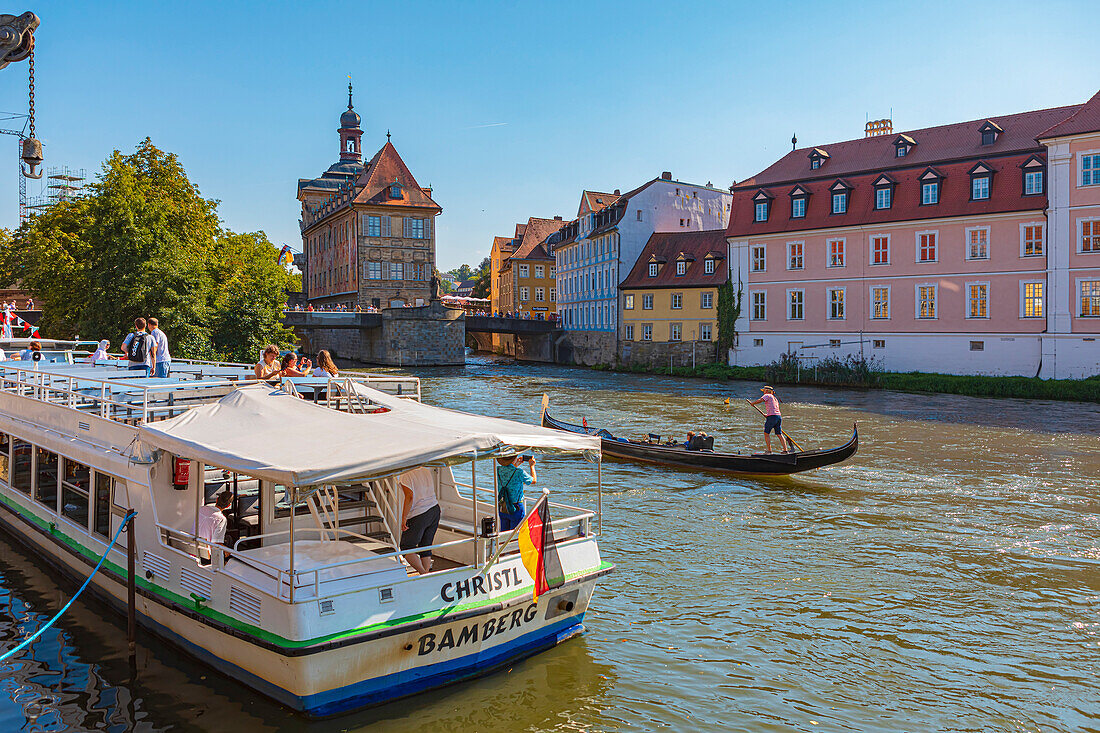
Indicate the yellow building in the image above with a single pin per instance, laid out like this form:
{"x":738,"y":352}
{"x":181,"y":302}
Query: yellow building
{"x":671,"y":294}
{"x":503,"y":247}
{"x":523,"y":271}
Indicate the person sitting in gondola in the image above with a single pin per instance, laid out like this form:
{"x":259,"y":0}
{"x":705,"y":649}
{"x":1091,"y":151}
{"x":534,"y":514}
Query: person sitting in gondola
{"x":689,"y":443}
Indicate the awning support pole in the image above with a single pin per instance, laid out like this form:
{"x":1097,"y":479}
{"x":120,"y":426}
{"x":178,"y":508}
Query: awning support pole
{"x":473,"y":493}
{"x":293,"y":506}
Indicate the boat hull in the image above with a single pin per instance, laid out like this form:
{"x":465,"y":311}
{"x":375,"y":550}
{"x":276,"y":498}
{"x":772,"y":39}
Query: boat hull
{"x":728,"y":463}
{"x":338,"y":676}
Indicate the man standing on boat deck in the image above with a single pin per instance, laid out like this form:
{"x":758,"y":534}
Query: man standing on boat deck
{"x":139,"y":348}
{"x":510,"y":482}
{"x":163,"y":361}
{"x":773,"y":420}
{"x":419,"y":517}
{"x":212,"y":520}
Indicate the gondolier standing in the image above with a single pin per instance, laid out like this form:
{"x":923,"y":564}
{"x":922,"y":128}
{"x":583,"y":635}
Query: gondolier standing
{"x":773,"y":420}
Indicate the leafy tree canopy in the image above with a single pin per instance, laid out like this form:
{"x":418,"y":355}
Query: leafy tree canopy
{"x":144,"y":242}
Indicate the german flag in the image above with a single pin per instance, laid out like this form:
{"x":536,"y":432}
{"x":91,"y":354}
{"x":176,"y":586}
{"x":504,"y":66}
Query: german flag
{"x":538,"y":549}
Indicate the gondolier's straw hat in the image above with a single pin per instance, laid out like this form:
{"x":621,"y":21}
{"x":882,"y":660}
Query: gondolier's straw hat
{"x":766,"y":388}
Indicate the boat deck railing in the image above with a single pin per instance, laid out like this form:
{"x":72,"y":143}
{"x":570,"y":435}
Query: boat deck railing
{"x":110,"y":392}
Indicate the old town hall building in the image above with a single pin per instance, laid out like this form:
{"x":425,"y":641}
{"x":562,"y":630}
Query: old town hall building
{"x":368,"y":230}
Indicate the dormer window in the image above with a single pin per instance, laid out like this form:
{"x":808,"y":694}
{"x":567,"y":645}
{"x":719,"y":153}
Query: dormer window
{"x":1033,"y":175}
{"x":708,"y":265}
{"x":902,"y":145}
{"x":653,"y":269}
{"x":761,"y":206}
{"x":681,"y":268}
{"x":930,"y":187}
{"x":989,"y":131}
{"x":981,"y":178}
{"x":839,"y":191}
{"x":395,"y":190}
{"x":884,"y":192}
{"x":798,"y":202}
{"x":817,"y":158}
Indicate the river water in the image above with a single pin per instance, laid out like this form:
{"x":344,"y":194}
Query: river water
{"x":945,"y":578}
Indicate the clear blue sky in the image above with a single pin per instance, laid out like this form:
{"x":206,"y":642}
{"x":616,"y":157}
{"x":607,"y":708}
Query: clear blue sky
{"x":509,"y":110}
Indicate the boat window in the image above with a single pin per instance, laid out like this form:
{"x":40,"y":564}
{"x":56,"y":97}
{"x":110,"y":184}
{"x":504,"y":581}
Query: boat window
{"x":75,"y":482}
{"x":102,"y":523}
{"x":244,"y":512}
{"x":45,"y":489}
{"x":5,"y":456}
{"x":22,"y":466}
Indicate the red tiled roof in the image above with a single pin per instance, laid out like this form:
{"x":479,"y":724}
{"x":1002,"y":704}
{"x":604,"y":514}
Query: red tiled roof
{"x":384,"y":168}
{"x":502,"y":242}
{"x":535,"y":233}
{"x":1005,"y":194}
{"x":1084,"y":120}
{"x":666,"y":247}
{"x":596,"y":200}
{"x":933,"y":146}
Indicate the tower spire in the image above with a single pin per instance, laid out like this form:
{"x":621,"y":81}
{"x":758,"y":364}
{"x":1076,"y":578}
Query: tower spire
{"x":349,"y":91}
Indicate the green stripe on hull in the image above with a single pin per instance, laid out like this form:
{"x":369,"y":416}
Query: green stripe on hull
{"x":248,"y":629}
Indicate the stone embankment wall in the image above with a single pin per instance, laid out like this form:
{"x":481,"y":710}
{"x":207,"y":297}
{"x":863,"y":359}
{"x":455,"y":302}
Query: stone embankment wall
{"x":660,"y":353}
{"x":586,"y":348}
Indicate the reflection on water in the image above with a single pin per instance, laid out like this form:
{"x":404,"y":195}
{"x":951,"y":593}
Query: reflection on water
{"x":946,"y":578}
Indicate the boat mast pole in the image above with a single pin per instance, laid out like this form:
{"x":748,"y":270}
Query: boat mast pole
{"x":131,"y":590}
{"x":599,"y":495}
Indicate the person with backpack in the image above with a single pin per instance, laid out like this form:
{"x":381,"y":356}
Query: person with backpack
{"x":140,"y":348}
{"x":510,"y":482}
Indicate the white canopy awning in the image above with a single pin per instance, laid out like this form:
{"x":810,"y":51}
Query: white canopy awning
{"x":267,"y":433}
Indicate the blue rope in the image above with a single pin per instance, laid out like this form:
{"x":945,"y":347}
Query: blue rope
{"x":11,"y":652}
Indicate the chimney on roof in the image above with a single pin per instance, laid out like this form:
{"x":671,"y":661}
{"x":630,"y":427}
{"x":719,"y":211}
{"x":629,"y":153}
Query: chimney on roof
{"x":617,"y":192}
{"x":666,"y":176}
{"x":557,"y":218}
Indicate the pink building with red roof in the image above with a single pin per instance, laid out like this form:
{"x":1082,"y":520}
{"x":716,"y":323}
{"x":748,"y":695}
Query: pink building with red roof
{"x":967,"y":248}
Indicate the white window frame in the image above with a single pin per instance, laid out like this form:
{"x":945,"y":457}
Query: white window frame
{"x":628,"y":331}
{"x":676,"y":301}
{"x":628,"y":302}
{"x":966,"y":300}
{"x":681,"y":267}
{"x":524,"y":271}
{"x":553,"y":295}
{"x":988,"y":187}
{"x":1042,"y":239}
{"x":1028,"y":173}
{"x":762,"y":250}
{"x":802,"y":303}
{"x":709,"y":266}
{"x":798,"y":201}
{"x":397,"y":268}
{"x":647,"y":332}
{"x":871,"y":250}
{"x":758,"y":207}
{"x":1095,"y":176}
{"x":843,"y":304}
{"x":843,"y":196}
{"x":524,"y":293}
{"x":706,"y":300}
{"x":553,"y":272}
{"x":801,"y":255}
{"x":540,"y":295}
{"x":540,"y":271}
{"x":676,"y":332}
{"x":1077,"y":296}
{"x":916,"y":246}
{"x":935,"y":302}
{"x":888,"y":198}
{"x":653,"y":269}
{"x":1078,"y":248}
{"x":763,"y":305}
{"x":647,"y":301}
{"x":871,"y":301}
{"x":966,"y":242}
{"x":935,"y":186}
{"x":709,"y":332}
{"x":843,"y":252}
{"x":1042,"y":299}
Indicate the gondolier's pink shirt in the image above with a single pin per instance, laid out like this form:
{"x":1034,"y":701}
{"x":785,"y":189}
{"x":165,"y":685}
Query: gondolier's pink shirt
{"x":772,"y":403}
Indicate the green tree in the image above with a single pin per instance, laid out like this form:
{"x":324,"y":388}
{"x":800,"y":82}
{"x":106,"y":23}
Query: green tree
{"x":729,"y":310}
{"x":481,"y":285}
{"x":465,"y":272}
{"x":144,"y":242}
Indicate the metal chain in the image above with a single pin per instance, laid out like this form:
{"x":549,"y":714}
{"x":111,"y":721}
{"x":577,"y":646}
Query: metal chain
{"x":32,"y":91}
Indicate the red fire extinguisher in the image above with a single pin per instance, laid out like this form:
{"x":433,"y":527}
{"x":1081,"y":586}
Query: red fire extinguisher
{"x":181,"y":473}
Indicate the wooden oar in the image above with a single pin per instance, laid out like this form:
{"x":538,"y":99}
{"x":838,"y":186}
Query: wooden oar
{"x":545,"y":404}
{"x":757,"y":408}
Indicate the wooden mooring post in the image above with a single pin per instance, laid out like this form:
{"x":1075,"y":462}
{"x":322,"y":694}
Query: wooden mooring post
{"x":131,"y":589}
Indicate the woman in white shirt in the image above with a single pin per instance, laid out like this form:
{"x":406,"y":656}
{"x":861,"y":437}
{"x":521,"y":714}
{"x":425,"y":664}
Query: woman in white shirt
{"x":325,"y":367}
{"x":101,"y":352}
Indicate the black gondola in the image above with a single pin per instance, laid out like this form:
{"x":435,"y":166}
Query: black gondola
{"x":757,"y":464}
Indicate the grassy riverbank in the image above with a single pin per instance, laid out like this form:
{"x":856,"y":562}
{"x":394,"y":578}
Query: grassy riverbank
{"x":1074,"y":390}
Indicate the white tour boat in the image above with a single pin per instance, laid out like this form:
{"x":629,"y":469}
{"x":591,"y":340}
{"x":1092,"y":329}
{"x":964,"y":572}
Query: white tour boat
{"x":309,"y":600}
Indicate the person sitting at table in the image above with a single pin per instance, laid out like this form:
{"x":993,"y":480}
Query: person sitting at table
{"x":268,"y":366}
{"x":325,"y":366}
{"x":289,"y":366}
{"x":101,"y":352}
